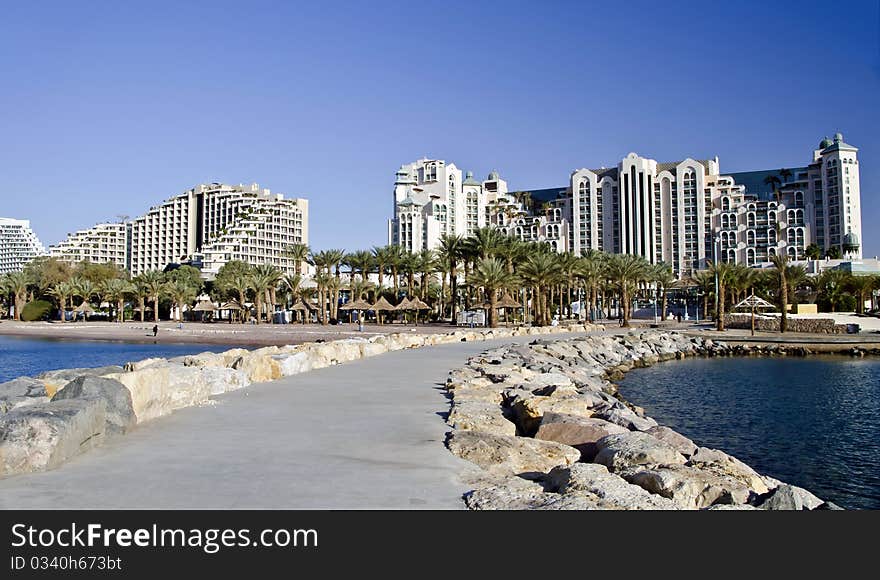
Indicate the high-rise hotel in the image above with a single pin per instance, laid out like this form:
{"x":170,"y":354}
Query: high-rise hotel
{"x":18,"y":245}
{"x":206,"y":226}
{"x":682,"y":213}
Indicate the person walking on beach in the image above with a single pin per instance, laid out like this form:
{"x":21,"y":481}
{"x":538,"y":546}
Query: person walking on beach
{"x":155,"y":329}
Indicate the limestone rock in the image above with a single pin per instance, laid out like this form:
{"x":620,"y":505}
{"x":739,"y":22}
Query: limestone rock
{"x":118,"y":411}
{"x":620,"y":415}
{"x":55,"y":380}
{"x":595,"y":479}
{"x":509,"y":454}
{"x":204,"y":359}
{"x":529,"y":409}
{"x":513,"y":493}
{"x":480,"y":416}
{"x":582,"y":433}
{"x":294,"y":364}
{"x":20,"y":392}
{"x":620,"y":451}
{"x":259,"y":367}
{"x":689,"y":487}
{"x":42,"y":436}
{"x":681,"y":443}
{"x":159,"y":390}
{"x":142,"y":364}
{"x":221,"y":380}
{"x":790,"y":497}
{"x":725,"y":465}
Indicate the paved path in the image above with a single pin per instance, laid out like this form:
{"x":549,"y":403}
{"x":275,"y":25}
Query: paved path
{"x":367,"y":434}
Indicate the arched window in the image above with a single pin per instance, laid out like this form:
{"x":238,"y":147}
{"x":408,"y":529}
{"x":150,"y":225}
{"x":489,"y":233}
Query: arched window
{"x":584,"y":189}
{"x":725,"y":221}
{"x":771,"y":252}
{"x":790,"y":213}
{"x":731,"y":256}
{"x":752,"y":207}
{"x":771,"y":236}
{"x":792,"y":236}
{"x":771,"y":218}
{"x":799,"y":198}
{"x":751,"y":219}
{"x":799,"y":216}
{"x":725,"y":204}
{"x":750,"y":256}
{"x":792,"y":252}
{"x":750,"y":237}
{"x":451,"y":185}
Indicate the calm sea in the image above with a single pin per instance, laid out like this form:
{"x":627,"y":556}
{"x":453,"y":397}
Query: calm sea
{"x":812,"y":422}
{"x":29,"y":357}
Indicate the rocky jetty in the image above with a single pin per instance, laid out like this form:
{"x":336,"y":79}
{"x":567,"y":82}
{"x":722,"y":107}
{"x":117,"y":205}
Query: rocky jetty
{"x":546,"y":427}
{"x":44,"y":421}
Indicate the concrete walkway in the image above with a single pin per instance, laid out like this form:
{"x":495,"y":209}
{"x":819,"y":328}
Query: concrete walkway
{"x":367,"y":434}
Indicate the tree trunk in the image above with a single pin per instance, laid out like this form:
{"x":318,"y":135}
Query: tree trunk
{"x":493,"y":308}
{"x":155,"y":309}
{"x":120,"y":307}
{"x":453,"y":283}
{"x":624,"y":299}
{"x":721,"y":300}
{"x":783,"y":298}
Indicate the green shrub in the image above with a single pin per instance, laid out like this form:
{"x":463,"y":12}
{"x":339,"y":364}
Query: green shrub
{"x":36,"y":310}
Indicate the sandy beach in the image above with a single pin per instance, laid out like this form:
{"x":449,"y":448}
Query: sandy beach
{"x":202,"y":333}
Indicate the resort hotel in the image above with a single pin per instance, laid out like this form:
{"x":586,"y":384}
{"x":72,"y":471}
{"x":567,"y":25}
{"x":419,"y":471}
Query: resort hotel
{"x":206,"y":227}
{"x":683,"y":213}
{"x":18,"y":245}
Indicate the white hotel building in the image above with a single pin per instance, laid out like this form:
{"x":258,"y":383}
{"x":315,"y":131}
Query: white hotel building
{"x":682,"y":213}
{"x":206,"y":226}
{"x":18,"y":245}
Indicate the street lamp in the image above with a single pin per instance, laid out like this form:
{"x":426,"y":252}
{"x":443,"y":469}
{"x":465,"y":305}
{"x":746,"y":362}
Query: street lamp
{"x":717,"y":241}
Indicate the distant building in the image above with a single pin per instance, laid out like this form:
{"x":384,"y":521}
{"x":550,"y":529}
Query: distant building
{"x":683,"y":213}
{"x":18,"y":245}
{"x":211,"y":224}
{"x":107,"y":242}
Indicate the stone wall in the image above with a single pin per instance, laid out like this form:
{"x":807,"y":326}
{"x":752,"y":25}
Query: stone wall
{"x":771,"y":324}
{"x":43,"y":422}
{"x":546,"y":430}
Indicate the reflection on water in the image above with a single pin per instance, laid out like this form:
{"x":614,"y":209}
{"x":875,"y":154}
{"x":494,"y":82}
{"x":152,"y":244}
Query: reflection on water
{"x":29,"y":357}
{"x":812,"y":422}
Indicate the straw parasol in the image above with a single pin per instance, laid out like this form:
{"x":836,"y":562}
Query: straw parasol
{"x":405,"y":304}
{"x":85,"y":308}
{"x":417,"y":304}
{"x":205,"y":306}
{"x":356,"y":305}
{"x":381,"y":304}
{"x":508,"y":302}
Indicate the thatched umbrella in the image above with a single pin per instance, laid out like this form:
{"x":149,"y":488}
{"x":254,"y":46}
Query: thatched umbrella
{"x":204,"y":306}
{"x":381,"y":304}
{"x":232,"y":305}
{"x":85,"y":309}
{"x":303,"y":306}
{"x":507,"y":302}
{"x":417,"y":304}
{"x":359,"y":305}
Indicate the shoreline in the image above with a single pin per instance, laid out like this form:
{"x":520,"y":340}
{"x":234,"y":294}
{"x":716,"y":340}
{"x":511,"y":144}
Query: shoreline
{"x":549,"y":429}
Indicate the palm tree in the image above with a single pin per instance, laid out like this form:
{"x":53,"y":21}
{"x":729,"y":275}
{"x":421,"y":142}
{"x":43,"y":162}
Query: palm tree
{"x":485,"y":242}
{"x":270,"y":277}
{"x":541,"y":271}
{"x":299,"y":253}
{"x":141,"y":292}
{"x":780,"y":262}
{"x":591,"y":270}
{"x":241,"y":282}
{"x":360,"y":261}
{"x":813,"y":252}
{"x":336,"y":257}
{"x":663,"y":277}
{"x":395,"y":259}
{"x":491,"y":274}
{"x":774,"y":182}
{"x":16,"y":284}
{"x":381,"y":259}
{"x":625,"y":272}
{"x":181,"y":293}
{"x":425,"y":263}
{"x":451,"y":247}
{"x":785,"y":174}
{"x":62,"y":291}
{"x":706,"y":282}
{"x":831,"y":285}
{"x":114,"y":291}
{"x":262,"y":280}
{"x":408,"y":267}
{"x":724,"y":274}
{"x":154,"y":283}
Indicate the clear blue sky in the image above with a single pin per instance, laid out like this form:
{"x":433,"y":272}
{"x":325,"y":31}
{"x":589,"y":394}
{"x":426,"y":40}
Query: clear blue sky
{"x":107,"y":108}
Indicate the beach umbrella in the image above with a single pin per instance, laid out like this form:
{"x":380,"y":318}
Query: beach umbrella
{"x":302,"y":306}
{"x":205,"y":306}
{"x":381,"y":304}
{"x":508,"y":302}
{"x":417,"y":304}
{"x":754,"y":302}
{"x":359,"y":305}
{"x":85,"y":309}
{"x":405,"y":304}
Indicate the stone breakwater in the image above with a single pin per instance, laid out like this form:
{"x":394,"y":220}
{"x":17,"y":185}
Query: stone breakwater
{"x":46,"y":420}
{"x":545,"y":425}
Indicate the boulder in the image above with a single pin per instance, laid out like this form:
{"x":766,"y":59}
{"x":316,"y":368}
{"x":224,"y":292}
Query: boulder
{"x":595,"y":479}
{"x":55,"y":380}
{"x":221,"y":380}
{"x":259,"y":367}
{"x":513,"y":493}
{"x":119,"y":414}
{"x":624,"y":450}
{"x":528,"y":409}
{"x":508,"y":454}
{"x":480,"y":416}
{"x":582,"y":433}
{"x":681,"y":443}
{"x":725,"y":465}
{"x":477,"y":393}
{"x":142,"y":364}
{"x":620,"y":415}
{"x":159,"y":390}
{"x":294,"y":364}
{"x":42,"y":436}
{"x":790,"y":497}
{"x":689,"y":487}
{"x":21,"y":392}
{"x":204,"y":359}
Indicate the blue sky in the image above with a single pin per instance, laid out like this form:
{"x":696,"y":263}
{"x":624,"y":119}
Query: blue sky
{"x":107,"y":108}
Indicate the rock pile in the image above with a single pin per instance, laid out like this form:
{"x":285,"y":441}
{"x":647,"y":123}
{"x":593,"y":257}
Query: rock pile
{"x":545,"y":425}
{"x":46,"y":420}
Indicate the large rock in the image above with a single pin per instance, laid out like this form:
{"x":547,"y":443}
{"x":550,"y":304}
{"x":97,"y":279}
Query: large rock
{"x":513,"y":493}
{"x":259,"y":367}
{"x":529,"y":409}
{"x":505,"y":454}
{"x":159,"y":390}
{"x":480,"y":416}
{"x":624,"y":450}
{"x":620,"y":415}
{"x":689,"y":487}
{"x":790,"y":497}
{"x":681,"y":443}
{"x":595,"y":479}
{"x":119,"y":414}
{"x":294,"y":364}
{"x":42,"y":436}
{"x":145,"y":363}
{"x":205,"y":359}
{"x":55,"y":380}
{"x":582,"y":433}
{"x":725,"y":465}
{"x":221,"y":380}
{"x":21,"y":392}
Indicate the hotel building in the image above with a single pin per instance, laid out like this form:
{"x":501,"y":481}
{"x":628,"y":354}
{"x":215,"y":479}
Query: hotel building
{"x":683,"y":213}
{"x":18,"y":245}
{"x":107,"y":242}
